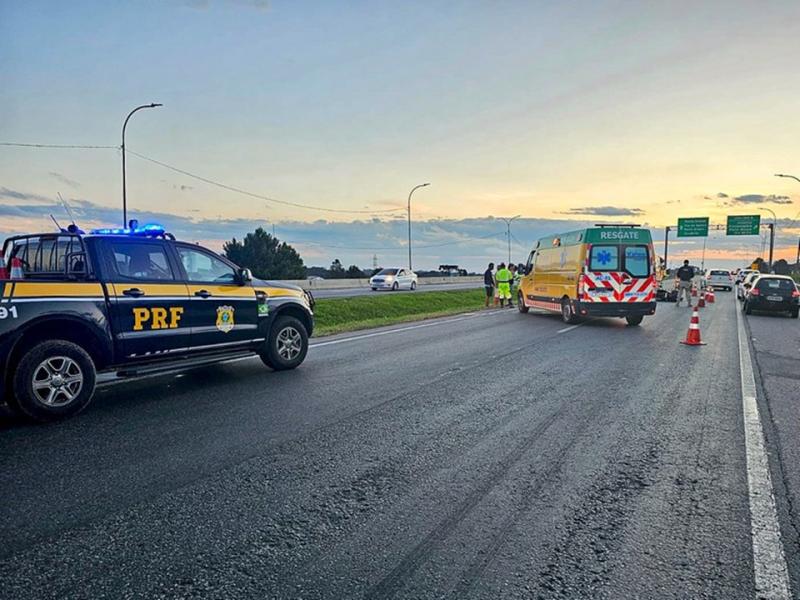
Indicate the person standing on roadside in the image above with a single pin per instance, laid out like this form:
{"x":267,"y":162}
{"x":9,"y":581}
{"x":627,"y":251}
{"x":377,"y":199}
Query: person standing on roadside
{"x":488,"y":283}
{"x":515,"y":277}
{"x":503,"y":279}
{"x":683,"y":279}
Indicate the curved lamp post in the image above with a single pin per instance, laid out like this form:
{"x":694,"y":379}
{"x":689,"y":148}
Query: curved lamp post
{"x":508,"y":233}
{"x":414,"y":189}
{"x":124,"y":192}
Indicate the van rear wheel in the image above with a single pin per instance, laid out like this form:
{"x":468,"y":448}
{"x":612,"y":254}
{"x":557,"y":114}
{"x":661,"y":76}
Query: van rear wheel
{"x":634,"y":320}
{"x":566,"y":313}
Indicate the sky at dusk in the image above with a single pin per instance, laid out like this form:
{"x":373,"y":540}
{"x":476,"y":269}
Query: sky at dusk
{"x":567,"y":113}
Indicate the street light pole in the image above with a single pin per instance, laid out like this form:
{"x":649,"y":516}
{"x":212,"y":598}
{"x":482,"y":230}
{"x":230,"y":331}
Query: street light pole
{"x":124,"y":191}
{"x":508,"y":233}
{"x":667,"y":229}
{"x":797,"y":179}
{"x":414,"y":189}
{"x":771,"y":234}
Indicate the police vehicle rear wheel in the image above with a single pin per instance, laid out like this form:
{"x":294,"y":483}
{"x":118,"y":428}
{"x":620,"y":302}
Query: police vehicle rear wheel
{"x":634,"y":320}
{"x":54,"y":380}
{"x":287,"y":345}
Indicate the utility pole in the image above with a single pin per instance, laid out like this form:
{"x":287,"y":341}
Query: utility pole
{"x":666,"y":245}
{"x":508,"y":233}
{"x":771,"y":234}
{"x":414,"y":189}
{"x":124,"y":191}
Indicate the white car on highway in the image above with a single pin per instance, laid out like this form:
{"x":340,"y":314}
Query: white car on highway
{"x":719,"y":278}
{"x":741,"y":289}
{"x":393,"y":279}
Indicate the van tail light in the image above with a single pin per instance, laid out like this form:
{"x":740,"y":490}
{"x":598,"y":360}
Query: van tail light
{"x":754,"y":292}
{"x":795,"y":293}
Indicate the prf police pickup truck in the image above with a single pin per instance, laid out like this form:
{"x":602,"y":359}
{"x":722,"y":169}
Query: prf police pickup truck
{"x":130,"y":301}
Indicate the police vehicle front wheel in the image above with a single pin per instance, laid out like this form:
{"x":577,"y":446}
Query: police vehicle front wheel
{"x":54,"y":380}
{"x":287,"y":344}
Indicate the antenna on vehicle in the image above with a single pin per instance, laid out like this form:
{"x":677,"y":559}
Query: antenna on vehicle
{"x":73,"y":228}
{"x":67,"y":208}
{"x":60,"y":228}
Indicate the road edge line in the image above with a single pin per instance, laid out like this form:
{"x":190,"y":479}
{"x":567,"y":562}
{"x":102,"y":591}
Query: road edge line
{"x":769,"y":561}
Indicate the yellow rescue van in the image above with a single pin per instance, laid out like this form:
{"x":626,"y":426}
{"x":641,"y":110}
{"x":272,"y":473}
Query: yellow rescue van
{"x":603,"y":271}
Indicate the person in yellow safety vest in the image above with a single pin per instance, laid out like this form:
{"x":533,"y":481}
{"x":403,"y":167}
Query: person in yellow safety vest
{"x":503,"y":278}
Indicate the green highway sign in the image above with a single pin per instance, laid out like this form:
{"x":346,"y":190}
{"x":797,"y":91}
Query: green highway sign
{"x":693,"y":227}
{"x":743,"y":224}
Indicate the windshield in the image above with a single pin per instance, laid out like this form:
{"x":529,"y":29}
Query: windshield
{"x":720,"y":274}
{"x":387,"y":272}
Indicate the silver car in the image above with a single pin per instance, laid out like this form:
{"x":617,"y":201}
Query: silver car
{"x":393,"y":279}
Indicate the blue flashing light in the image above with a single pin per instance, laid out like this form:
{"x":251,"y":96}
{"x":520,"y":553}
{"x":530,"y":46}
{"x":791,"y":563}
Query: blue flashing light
{"x":143,"y":231}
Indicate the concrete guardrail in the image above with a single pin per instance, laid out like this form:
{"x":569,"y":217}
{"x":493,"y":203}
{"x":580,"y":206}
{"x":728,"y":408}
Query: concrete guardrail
{"x":334,"y":284}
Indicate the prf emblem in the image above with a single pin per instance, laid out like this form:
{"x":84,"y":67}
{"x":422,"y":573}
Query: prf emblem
{"x":224,"y":318}
{"x":156,"y":317}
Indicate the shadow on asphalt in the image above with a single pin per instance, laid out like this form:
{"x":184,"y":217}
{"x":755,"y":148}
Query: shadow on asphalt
{"x":171,"y":391}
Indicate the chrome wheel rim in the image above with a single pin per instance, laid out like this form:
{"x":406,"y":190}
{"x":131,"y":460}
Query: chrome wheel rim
{"x":290,"y":343}
{"x":57,"y":381}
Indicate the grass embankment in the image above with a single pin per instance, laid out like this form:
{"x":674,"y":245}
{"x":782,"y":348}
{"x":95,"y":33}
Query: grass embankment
{"x":335,"y":315}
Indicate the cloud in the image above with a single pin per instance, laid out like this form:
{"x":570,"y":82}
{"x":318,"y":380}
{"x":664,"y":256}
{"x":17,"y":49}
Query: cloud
{"x":17,"y":195}
{"x":722,"y":195}
{"x":65,"y":180}
{"x":604,"y":211}
{"x":762,"y":199}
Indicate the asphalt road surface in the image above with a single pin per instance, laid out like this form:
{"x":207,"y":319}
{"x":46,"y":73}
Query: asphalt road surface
{"x":365,"y":291}
{"x":492,"y":455}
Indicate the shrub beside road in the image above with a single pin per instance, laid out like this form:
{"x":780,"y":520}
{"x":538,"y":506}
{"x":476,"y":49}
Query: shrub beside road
{"x":335,"y":315}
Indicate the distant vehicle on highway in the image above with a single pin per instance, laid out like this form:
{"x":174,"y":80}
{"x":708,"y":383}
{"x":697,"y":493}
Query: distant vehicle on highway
{"x":394,"y":279}
{"x":604,"y":271}
{"x":130,"y":301}
{"x":719,"y":279}
{"x":316,"y":278}
{"x":773,"y":293}
{"x":747,"y":283}
{"x":742,"y":273}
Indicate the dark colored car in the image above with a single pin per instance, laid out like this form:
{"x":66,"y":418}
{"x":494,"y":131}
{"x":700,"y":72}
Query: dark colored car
{"x":773,"y":293}
{"x":130,"y":301}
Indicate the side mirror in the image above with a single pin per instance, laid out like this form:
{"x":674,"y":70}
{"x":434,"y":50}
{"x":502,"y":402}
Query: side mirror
{"x":245,"y":276}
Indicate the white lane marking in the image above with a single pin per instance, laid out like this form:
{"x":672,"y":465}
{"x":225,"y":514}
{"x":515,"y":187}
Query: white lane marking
{"x":769,"y":562}
{"x":570,"y":328}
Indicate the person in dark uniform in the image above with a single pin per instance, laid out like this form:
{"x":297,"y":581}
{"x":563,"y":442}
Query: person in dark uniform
{"x":488,"y":283}
{"x":684,"y":278}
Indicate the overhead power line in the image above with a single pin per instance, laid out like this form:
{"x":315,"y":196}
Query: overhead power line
{"x":237,"y":190}
{"x":68,"y":146}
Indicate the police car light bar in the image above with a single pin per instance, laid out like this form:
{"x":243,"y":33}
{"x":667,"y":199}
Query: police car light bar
{"x":145,"y":230}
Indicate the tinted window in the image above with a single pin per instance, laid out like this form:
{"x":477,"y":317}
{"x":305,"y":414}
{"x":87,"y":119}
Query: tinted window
{"x":767,"y":284}
{"x":604,"y":258}
{"x":202,"y":266}
{"x":637,"y":261}
{"x":141,"y":261}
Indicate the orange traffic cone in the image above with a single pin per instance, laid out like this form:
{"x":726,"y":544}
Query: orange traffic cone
{"x":711,"y":297}
{"x":3,"y":270}
{"x":693,"y":335}
{"x":694,"y":291}
{"x":16,"y":269}
{"x":701,"y":303}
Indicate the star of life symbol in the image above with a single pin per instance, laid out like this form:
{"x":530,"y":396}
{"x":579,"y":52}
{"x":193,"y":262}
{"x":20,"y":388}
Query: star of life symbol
{"x":604,"y":257}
